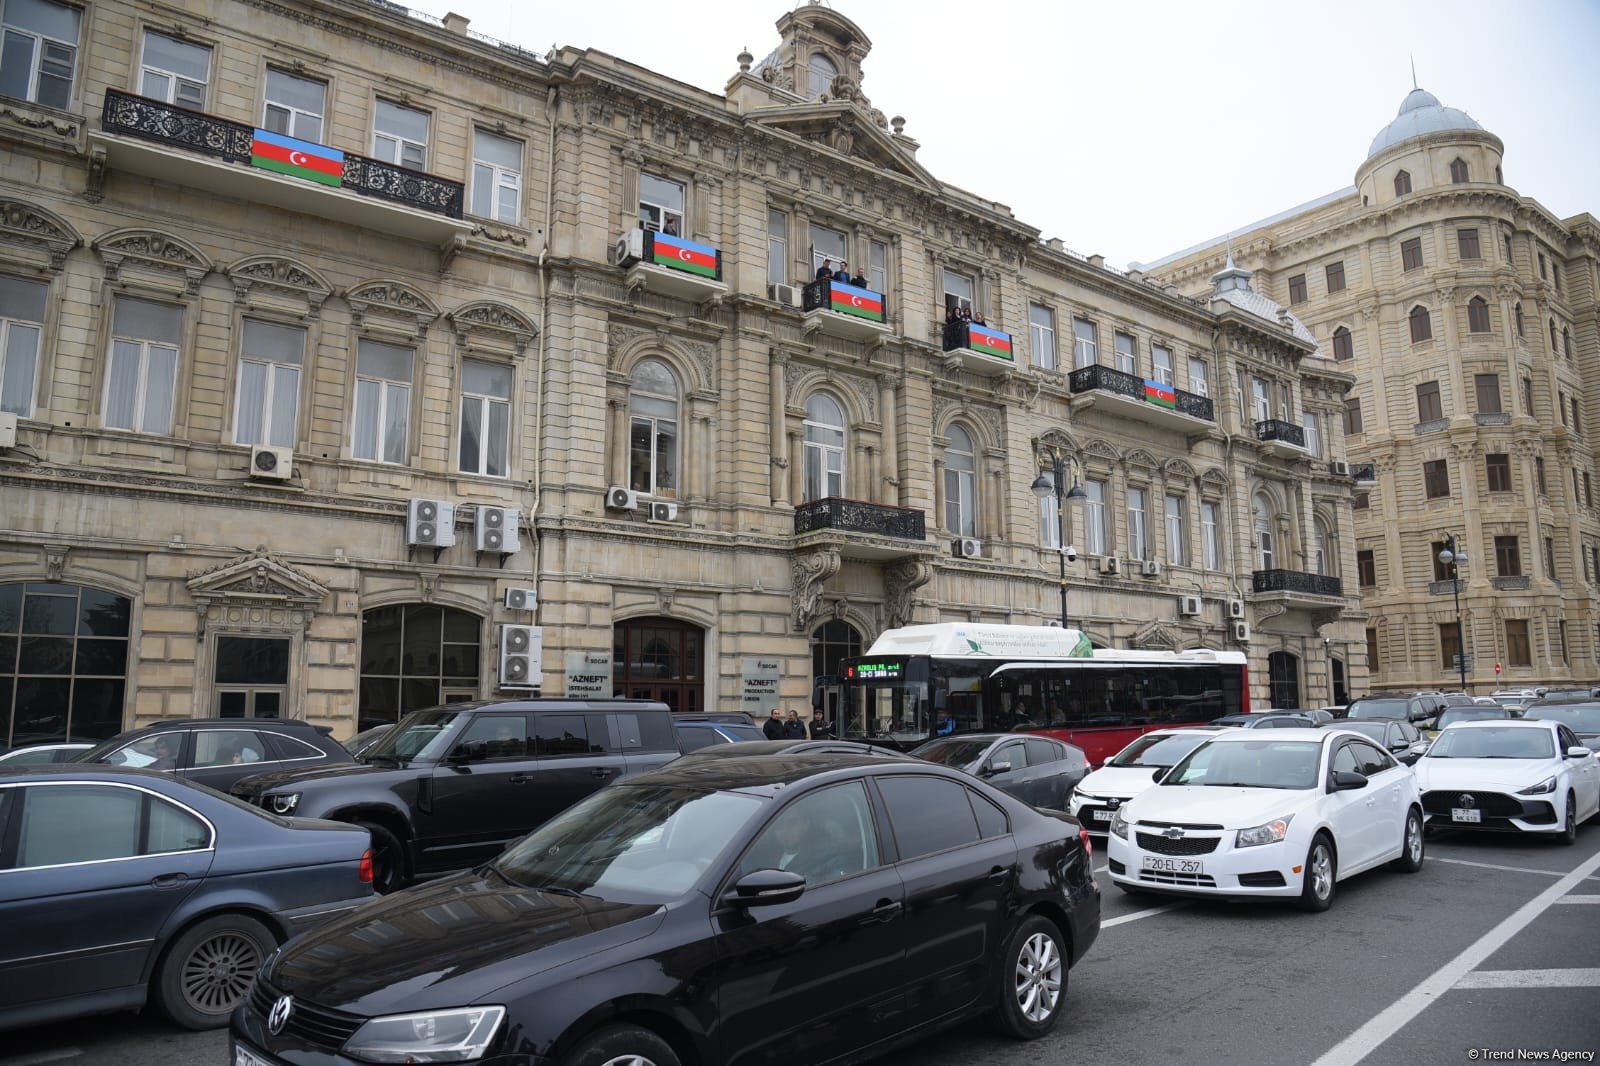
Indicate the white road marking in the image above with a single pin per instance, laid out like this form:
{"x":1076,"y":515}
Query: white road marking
{"x":1579,"y":899}
{"x":1136,"y":915}
{"x":1508,"y":869}
{"x":44,"y":1056}
{"x":1367,"y":1039}
{"x":1531,"y":979}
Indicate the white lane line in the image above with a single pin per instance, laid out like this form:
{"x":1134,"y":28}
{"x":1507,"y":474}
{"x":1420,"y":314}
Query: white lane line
{"x":1579,"y":899}
{"x":1102,"y":869}
{"x":1531,"y":979}
{"x":1134,"y":917}
{"x":1367,"y":1039}
{"x":44,"y":1056}
{"x":1508,"y":869}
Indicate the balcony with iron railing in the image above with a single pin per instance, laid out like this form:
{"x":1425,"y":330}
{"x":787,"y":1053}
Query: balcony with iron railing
{"x":978,"y":347}
{"x":862,"y":529}
{"x":1129,"y":396}
{"x":669,"y":265}
{"x":837,"y":309}
{"x":1294,"y":584}
{"x":139,"y":135}
{"x":1279,"y":437}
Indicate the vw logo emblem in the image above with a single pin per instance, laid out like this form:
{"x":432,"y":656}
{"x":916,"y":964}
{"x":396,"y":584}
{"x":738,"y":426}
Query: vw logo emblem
{"x":1467,"y":799}
{"x":279,"y":1014}
{"x":1172,"y":833}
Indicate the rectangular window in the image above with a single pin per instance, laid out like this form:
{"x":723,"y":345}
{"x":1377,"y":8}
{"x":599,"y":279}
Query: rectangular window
{"x":959,"y":292}
{"x":829,"y":249}
{"x":1527,"y":396}
{"x":1297,"y":289}
{"x":1477,"y":316}
{"x":1507,"y":557}
{"x":1449,"y":645}
{"x":1411,"y":253}
{"x":1177,"y":540}
{"x":1260,"y":400}
{"x":1094,"y":518}
{"x":1509,"y":256}
{"x":1561,"y":635}
{"x":1467,"y":243}
{"x":1367,"y":568}
{"x":777,"y":247}
{"x":1538,"y":475}
{"x":1361,"y":501}
{"x":661,"y":205}
{"x":1335,"y":273}
{"x":1488,"y":389}
{"x":1441,"y":570}
{"x":1497,"y":468}
{"x":143,"y":370}
{"x":877,"y":266}
{"x":1543,"y":272}
{"x":1436,"y":478}
{"x":1161,"y":364}
{"x":485,"y":418}
{"x":1042,"y":336}
{"x":1199,"y":377}
{"x":1518,"y":653}
{"x":1138,"y":526}
{"x":174,"y":71}
{"x":21,"y":325}
{"x":1343,"y":345}
{"x":1084,"y":349}
{"x":270,"y":360}
{"x":40,"y":51}
{"x":1313,"y":428}
{"x":1561,"y":406}
{"x":400,"y":135}
{"x":1352,"y":417}
{"x":294,"y":105}
{"x":1126,"y":353}
{"x":1429,"y":407}
{"x":1577,"y":417}
{"x":1588,"y":500}
{"x":383,"y":401}
{"x":1550,"y":559}
{"x":1049,"y":522}
{"x":1210,"y":542}
{"x":496,"y":176}
{"x":1372,"y":650}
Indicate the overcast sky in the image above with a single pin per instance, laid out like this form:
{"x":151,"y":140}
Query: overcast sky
{"x":1135,"y":129}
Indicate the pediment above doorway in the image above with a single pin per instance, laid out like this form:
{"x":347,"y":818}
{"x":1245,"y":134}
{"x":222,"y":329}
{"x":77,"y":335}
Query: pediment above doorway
{"x":257,"y":588}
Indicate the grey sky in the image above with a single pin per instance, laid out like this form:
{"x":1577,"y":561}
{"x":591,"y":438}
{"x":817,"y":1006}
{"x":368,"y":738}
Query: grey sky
{"x":1136,"y":129}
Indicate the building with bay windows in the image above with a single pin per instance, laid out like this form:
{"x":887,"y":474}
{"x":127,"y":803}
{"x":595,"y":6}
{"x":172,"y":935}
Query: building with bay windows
{"x":332,"y":371}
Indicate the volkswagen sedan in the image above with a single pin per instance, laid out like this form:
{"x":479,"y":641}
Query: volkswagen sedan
{"x":1522,"y":775}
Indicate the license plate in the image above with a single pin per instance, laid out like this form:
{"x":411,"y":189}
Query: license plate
{"x":1457,"y":814}
{"x":243,"y":1056}
{"x":1098,"y":815}
{"x":1173,"y":866}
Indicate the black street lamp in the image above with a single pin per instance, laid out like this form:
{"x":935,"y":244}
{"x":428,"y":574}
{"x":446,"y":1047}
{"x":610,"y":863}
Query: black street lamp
{"x":1453,"y":559}
{"x":1052,"y":484}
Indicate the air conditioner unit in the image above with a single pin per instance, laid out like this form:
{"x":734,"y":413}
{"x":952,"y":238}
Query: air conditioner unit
{"x":1240,"y":631}
{"x":628,"y":248}
{"x":1340,"y":469}
{"x":8,"y":429}
{"x":521,"y":656}
{"x":787,"y":295}
{"x":522,"y":599}
{"x":661,"y":511}
{"x":966,"y":548}
{"x":621,"y":499}
{"x":1150,"y":568}
{"x":271,"y":464}
{"x":1235,"y":608}
{"x":1189,"y":606}
{"x":431,"y":523}
{"x":496,"y":530}
{"x":1110,"y":564}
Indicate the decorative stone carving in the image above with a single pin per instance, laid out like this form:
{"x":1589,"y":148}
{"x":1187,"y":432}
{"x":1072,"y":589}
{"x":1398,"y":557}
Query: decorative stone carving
{"x":257,"y":588}
{"x":1154,"y":637}
{"x":55,"y":560}
{"x":387,"y":300}
{"x":155,"y":253}
{"x":811,"y":570}
{"x":901,"y":581}
{"x":279,"y":275}
{"x":495,"y":326}
{"x":30,"y":226}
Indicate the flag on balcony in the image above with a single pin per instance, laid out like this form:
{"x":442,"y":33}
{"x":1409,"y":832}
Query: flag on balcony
{"x":680,"y":254}
{"x":296,"y":158}
{"x":863,"y":303}
{"x":988,"y":341}
{"x":1160,"y":395}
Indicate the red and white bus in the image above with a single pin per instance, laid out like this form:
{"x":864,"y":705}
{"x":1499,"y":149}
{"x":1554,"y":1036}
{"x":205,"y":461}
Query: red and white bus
{"x":919,"y":682}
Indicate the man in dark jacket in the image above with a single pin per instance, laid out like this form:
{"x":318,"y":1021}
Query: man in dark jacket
{"x":819,"y":725}
{"x":773,"y":726}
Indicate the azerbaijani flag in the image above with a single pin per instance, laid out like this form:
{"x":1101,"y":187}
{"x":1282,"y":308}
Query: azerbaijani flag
{"x":863,"y":303}
{"x":296,"y":158}
{"x":988,"y":341}
{"x":680,"y":254}
{"x":1159,"y":394}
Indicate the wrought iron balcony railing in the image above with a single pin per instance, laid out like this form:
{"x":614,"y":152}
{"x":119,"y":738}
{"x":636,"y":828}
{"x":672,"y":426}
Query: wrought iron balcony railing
{"x":1296,"y":581}
{"x":845,"y":299}
{"x":1104,"y":378}
{"x":973,"y":336}
{"x":1279,"y":430}
{"x":859,"y":516}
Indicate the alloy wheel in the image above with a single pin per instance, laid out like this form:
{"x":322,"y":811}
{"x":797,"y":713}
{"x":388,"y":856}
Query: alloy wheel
{"x":1414,"y":838}
{"x":217,"y":974}
{"x":1038,"y":977}
{"x":1321,"y":871}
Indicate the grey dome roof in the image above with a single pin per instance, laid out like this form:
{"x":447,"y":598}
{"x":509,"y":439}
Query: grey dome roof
{"x":1420,"y":113}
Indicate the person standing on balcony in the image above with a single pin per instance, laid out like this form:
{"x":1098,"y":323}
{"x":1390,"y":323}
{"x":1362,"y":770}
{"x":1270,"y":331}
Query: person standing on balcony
{"x":858,"y":281}
{"x":825,"y":271}
{"x":842,"y":275}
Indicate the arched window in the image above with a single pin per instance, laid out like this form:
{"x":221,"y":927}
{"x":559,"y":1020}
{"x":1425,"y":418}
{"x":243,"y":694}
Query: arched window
{"x":653,"y":429}
{"x":416,"y":655}
{"x":820,"y":73}
{"x":1261,"y":509}
{"x":1566,"y":342}
{"x":960,"y":484}
{"x":1552,"y":336}
{"x":660,"y":659}
{"x":1321,"y":547}
{"x":1458,"y":171}
{"x":1421,"y":324}
{"x":1402,"y":183}
{"x":824,"y":459}
{"x":1477,"y":315}
{"x":832,"y":642}
{"x":1343,"y":348}
{"x":63,"y":663}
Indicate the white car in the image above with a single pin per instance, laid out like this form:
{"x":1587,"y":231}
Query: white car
{"x":1129,"y":772}
{"x":1284,"y":813}
{"x":1517,"y":774}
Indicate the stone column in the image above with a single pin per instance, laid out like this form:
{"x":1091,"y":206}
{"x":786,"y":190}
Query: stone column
{"x":617,"y":450}
{"x":938,"y":491}
{"x":777,"y":414}
{"x":797,"y":472}
{"x":889,"y":486}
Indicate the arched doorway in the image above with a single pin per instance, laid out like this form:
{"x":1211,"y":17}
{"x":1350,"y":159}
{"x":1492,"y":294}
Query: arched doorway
{"x":1283,"y":674}
{"x":1341,"y":694}
{"x":63,"y":662}
{"x":831,"y":643}
{"x":660,"y":659}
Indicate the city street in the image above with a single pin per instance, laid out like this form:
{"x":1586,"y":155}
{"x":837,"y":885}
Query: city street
{"x":1493,"y":947}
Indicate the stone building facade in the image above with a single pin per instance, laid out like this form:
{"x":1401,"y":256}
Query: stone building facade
{"x":275,"y":275}
{"x":1468,"y":315}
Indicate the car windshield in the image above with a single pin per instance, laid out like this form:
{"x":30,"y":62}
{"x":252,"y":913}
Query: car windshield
{"x":1375,"y":730}
{"x":419,"y":735}
{"x":630,"y":843}
{"x":1158,"y":751}
{"x":1377,"y":709}
{"x":1250,"y":764}
{"x":1579,"y":717}
{"x":957,"y":753}
{"x":1470,"y":714}
{"x":1491,"y":742}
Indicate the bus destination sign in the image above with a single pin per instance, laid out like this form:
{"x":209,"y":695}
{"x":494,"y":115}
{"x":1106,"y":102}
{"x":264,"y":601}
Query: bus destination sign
{"x":878,"y":671}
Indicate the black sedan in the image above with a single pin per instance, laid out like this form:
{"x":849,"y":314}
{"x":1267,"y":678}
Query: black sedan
{"x":676,"y":915}
{"x":120,"y":887}
{"x":217,"y":752}
{"x":1036,"y":770}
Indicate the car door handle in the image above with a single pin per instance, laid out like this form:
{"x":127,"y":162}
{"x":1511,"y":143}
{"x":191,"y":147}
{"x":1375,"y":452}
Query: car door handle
{"x":887,"y":910}
{"x":518,"y":779}
{"x":602,"y":771}
{"x":168,"y":880}
{"x":1000,"y":874}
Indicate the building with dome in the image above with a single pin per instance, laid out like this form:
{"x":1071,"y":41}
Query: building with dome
{"x":1467,"y":313}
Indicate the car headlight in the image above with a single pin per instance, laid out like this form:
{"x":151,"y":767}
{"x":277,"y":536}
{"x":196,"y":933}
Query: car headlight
{"x":1119,"y":825}
{"x":1270,"y":833}
{"x":1081,"y":794}
{"x":283,"y":802}
{"x":458,"y":1035}
{"x":1547,"y":785}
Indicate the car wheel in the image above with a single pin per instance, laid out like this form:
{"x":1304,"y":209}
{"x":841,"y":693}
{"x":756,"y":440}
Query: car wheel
{"x":1316,"y":894}
{"x":1410,"y":860}
{"x":388,"y":859}
{"x":1033,"y":979}
{"x":207,"y":971}
{"x":622,"y":1045}
{"x":1569,"y":831}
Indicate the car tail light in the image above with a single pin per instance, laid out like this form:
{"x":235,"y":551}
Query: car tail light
{"x":366,"y":867}
{"x":1088,"y":845}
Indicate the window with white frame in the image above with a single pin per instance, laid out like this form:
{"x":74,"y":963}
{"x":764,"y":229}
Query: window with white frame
{"x":1051,"y":521}
{"x":270,"y":361}
{"x":777,"y":246}
{"x":496,"y":176}
{"x":40,"y":51}
{"x":294,"y":105}
{"x":1199,"y":377}
{"x":827,"y":246}
{"x":21,"y":326}
{"x":960,"y":484}
{"x":1177,"y":536}
{"x":382,"y":419}
{"x":1260,"y":400}
{"x":1210,"y":544}
{"x":485,"y":418}
{"x":878,"y":266}
{"x":1094,"y":518}
{"x":174,"y":71}
{"x":653,"y":432}
{"x":1320,"y":544}
{"x":142,"y":374}
{"x":400,"y":135}
{"x":661,"y":205}
{"x":1084,"y":350}
{"x":1313,"y":427}
{"x":1261,"y":511}
{"x":1161,"y":364}
{"x":1042,"y":335}
{"x":824,"y":458}
{"x":959,"y":292}
{"x":1126,"y":353}
{"x":1138,"y":525}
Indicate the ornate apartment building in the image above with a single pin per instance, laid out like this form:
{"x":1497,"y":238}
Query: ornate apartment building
{"x":355,"y":362}
{"x":1470,"y":316}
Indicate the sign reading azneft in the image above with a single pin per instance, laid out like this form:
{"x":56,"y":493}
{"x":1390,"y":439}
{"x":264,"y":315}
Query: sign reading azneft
{"x":588,"y":675}
{"x":759,"y":687}
{"x":952,"y":638}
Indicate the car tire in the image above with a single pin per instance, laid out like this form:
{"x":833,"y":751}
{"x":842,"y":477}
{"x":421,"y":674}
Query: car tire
{"x":388,"y":859}
{"x":622,"y":1045}
{"x":206,"y":972}
{"x":1320,"y":875}
{"x":1569,"y":832}
{"x":1033,"y":980}
{"x":1411,"y":849}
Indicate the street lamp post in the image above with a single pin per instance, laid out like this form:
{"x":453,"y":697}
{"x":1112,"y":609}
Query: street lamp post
{"x":1053,"y":484}
{"x":1453,"y":559}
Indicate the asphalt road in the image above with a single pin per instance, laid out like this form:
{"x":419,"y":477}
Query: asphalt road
{"x":1493,"y":948}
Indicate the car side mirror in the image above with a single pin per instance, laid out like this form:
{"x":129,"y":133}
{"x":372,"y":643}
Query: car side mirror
{"x":1001,"y":767}
{"x":763,"y":888}
{"x":1578,"y":751}
{"x":1346,"y":780}
{"x":472,"y":751}
{"x":1159,"y":773}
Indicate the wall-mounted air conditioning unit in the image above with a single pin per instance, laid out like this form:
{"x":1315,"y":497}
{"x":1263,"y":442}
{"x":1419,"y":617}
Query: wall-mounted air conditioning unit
{"x":1235,"y":608}
{"x":966,"y":548}
{"x":628,"y":248}
{"x":522,"y":599}
{"x":1150,"y":568}
{"x":1110,"y":564}
{"x":1240,"y":631}
{"x":431,"y":523}
{"x":787,"y":295}
{"x":621,"y":499}
{"x":661,"y":511}
{"x":1340,"y":469}
{"x":1189,"y":606}
{"x":521,"y":656}
{"x":496,"y":530}
{"x":8,"y":429}
{"x":271,"y":464}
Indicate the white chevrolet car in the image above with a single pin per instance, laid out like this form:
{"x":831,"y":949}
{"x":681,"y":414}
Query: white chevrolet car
{"x":1129,"y":772}
{"x":1518,"y":774}
{"x":1284,"y":813}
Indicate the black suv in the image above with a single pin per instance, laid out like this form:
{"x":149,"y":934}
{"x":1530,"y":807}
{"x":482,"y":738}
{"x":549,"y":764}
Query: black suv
{"x":451,"y":786}
{"x":219,"y":751}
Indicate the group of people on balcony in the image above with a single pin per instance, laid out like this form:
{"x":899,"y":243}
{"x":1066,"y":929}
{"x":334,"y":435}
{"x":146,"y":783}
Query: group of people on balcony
{"x":841,"y":274}
{"x":958,"y":313}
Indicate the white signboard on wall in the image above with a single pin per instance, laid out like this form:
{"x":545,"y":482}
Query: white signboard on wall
{"x":759,"y":687}
{"x":588,"y":675}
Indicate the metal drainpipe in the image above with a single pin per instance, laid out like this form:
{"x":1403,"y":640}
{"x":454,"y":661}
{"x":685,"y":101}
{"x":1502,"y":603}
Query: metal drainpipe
{"x":544,"y":333}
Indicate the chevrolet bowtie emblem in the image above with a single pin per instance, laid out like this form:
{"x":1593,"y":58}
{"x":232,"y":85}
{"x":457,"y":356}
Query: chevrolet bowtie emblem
{"x":1172,"y":833}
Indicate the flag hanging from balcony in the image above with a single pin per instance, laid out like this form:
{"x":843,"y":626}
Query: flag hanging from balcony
{"x":675,"y":252}
{"x":863,"y":303}
{"x":1159,"y":394}
{"x":296,"y":158}
{"x":988,"y":341}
